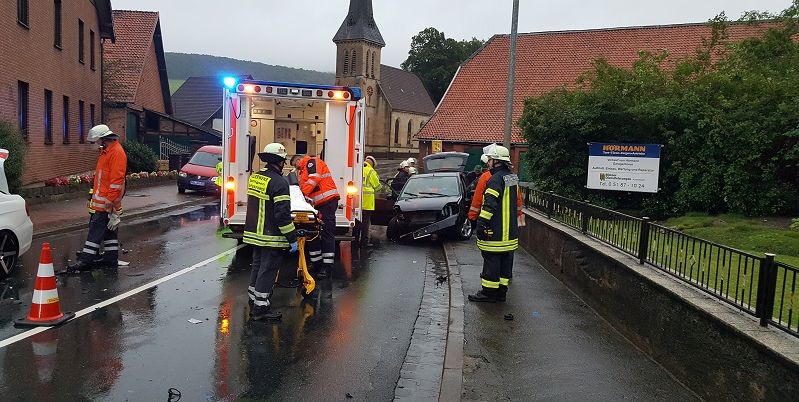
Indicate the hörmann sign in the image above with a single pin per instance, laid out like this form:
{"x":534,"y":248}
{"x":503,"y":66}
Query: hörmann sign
{"x":624,"y":167}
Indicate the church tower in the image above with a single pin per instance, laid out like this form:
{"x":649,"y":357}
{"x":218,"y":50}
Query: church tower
{"x":358,"y":45}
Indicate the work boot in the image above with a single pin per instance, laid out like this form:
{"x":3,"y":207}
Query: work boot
{"x":78,"y":267}
{"x":324,"y":272}
{"x":485,"y":295}
{"x":264,"y":313}
{"x":502,"y":293}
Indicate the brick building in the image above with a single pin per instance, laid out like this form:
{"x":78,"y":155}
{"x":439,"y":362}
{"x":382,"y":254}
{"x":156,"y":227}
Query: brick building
{"x":51,"y":80}
{"x":472,"y":112}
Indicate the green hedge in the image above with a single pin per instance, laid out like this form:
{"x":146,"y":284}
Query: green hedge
{"x":140,"y":157}
{"x":728,"y":117}
{"x":11,"y":140}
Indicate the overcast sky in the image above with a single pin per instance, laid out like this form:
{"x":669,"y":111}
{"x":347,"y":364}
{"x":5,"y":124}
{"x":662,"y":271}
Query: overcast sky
{"x":298,"y":33}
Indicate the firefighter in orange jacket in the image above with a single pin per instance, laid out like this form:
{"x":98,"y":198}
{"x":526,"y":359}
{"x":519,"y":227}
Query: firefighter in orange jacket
{"x":316,"y":183}
{"x":108,"y":189}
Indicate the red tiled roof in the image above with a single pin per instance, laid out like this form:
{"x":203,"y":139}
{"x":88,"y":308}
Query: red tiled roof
{"x":126,"y":56}
{"x":473,"y":109}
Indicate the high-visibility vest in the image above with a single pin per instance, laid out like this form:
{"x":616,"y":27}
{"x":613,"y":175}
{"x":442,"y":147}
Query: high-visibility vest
{"x":316,"y":182}
{"x":218,"y":178}
{"x":499,"y":212}
{"x":109,"y":179}
{"x":477,"y":199}
{"x":268,"y":222}
{"x":371,"y":185}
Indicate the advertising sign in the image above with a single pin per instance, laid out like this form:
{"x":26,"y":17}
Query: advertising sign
{"x":437,"y":145}
{"x":624,"y":167}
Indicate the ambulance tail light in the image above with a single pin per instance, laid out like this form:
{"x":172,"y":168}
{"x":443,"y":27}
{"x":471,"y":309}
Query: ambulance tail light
{"x":352,"y":189}
{"x":230,"y":184}
{"x":340,"y":95}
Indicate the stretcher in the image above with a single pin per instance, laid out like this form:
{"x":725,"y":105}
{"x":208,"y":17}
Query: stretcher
{"x":306,"y":220}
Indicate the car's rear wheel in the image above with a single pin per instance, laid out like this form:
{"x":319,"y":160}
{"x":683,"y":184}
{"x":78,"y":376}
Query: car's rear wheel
{"x":464,"y":230}
{"x":9,"y":253}
{"x":181,"y":190}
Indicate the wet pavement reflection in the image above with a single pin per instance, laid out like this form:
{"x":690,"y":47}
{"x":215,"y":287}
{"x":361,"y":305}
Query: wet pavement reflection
{"x":350,"y":339}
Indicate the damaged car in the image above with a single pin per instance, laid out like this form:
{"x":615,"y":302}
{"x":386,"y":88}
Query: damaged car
{"x":433,"y":203}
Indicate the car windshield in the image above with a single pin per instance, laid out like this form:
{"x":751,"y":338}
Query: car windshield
{"x":431,"y":186}
{"x":205,"y":159}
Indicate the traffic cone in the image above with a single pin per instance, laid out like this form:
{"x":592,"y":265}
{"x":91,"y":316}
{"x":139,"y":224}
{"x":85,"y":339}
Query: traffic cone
{"x":45,"y":308}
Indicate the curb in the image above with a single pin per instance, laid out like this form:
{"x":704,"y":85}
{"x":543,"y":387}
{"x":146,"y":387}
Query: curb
{"x":452,"y":377}
{"x":142,"y":213}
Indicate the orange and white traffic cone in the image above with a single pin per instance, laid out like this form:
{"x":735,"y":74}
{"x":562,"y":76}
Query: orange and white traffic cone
{"x":46,"y":307}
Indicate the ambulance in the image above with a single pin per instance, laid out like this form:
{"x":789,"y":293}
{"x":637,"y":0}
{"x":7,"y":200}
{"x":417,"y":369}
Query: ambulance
{"x":319,"y":120}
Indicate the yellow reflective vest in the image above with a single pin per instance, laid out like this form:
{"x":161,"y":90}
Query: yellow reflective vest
{"x":371,"y":186}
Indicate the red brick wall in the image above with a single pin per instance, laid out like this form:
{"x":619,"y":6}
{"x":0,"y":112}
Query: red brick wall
{"x":116,"y":120}
{"x":148,"y":94}
{"x":28,"y":54}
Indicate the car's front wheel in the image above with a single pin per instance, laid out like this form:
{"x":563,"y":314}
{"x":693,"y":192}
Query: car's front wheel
{"x":392,"y":230}
{"x":9,"y":253}
{"x":181,"y":190}
{"x":464,"y":230}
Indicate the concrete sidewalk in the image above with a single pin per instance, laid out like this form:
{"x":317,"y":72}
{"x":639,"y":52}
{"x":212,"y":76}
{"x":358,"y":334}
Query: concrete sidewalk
{"x":60,"y":216}
{"x":556,"y":348}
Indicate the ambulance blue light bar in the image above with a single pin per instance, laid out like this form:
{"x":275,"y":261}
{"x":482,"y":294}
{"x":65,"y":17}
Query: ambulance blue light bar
{"x":292,"y":90}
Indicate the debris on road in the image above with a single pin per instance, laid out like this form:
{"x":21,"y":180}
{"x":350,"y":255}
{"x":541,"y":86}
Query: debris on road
{"x":194,"y":321}
{"x":508,"y":317}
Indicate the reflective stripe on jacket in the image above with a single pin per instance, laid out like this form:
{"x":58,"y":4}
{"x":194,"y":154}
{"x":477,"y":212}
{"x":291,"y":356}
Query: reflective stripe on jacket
{"x":499,"y":213}
{"x":371,"y":185}
{"x":268,"y":222}
{"x":109,"y":179}
{"x":477,"y":200}
{"x":316,"y":182}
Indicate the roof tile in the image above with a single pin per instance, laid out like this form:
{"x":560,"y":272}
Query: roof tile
{"x":405,"y":91}
{"x":124,"y":58}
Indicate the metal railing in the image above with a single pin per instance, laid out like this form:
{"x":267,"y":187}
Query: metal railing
{"x":168,"y":147}
{"x":757,"y":285}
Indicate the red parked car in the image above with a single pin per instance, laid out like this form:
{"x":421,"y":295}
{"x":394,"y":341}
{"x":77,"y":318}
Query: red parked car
{"x":199,"y":173}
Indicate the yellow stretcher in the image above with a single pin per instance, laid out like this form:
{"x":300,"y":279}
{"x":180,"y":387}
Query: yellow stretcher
{"x":308,"y":227}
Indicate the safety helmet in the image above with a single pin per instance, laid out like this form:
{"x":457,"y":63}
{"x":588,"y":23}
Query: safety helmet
{"x":372,"y":161}
{"x":411,"y":161}
{"x":497,"y":152}
{"x":274,"y":153}
{"x":412,"y":170}
{"x":484,"y":158}
{"x":101,"y":131}
{"x":404,"y":164}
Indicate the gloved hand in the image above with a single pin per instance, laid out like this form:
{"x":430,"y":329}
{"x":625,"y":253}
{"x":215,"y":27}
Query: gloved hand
{"x":521,"y":221}
{"x":113,"y":221}
{"x":294,"y":247}
{"x":484,"y":232}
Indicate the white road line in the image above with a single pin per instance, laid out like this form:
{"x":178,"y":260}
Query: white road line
{"x":81,"y":313}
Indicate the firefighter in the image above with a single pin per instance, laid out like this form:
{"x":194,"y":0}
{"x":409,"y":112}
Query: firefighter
{"x":482,"y":182}
{"x":317,"y":184}
{"x":371,"y":186}
{"x":269,"y":229}
{"x":218,"y":178}
{"x":401,"y":177}
{"x":108,"y":189}
{"x":497,"y":228}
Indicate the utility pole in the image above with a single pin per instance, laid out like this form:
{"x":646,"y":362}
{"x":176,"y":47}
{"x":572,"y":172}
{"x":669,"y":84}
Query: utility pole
{"x":511,"y":75}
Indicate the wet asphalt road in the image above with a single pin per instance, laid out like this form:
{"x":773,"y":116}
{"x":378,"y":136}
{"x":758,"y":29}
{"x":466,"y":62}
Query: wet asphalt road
{"x":352,"y":339}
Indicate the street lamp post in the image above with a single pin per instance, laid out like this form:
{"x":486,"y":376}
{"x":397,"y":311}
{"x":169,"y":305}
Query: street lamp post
{"x":511,"y":75}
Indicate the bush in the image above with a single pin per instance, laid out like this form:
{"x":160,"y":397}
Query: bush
{"x":11,"y":140}
{"x":140,"y":157}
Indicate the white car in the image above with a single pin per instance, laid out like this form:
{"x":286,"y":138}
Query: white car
{"x":16,"y":228}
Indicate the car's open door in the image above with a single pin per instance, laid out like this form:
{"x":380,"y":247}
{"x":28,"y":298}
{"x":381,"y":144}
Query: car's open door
{"x":384,"y":205}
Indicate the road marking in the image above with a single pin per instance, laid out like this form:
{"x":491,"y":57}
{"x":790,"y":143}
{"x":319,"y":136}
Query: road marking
{"x":81,"y":313}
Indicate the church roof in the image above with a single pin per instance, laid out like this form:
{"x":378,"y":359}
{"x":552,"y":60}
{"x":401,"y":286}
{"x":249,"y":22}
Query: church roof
{"x":359,"y":25}
{"x":405,"y":91}
{"x":473,"y":108}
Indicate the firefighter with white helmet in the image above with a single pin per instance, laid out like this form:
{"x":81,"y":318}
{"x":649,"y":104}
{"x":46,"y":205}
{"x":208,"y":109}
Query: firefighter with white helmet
{"x":403,"y":173}
{"x":106,"y":202}
{"x":269,"y":228}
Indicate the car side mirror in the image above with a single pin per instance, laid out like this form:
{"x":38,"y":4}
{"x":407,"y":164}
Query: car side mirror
{"x":292,"y":179}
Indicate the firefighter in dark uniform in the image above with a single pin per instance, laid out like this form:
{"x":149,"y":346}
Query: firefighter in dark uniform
{"x":497,"y":228}
{"x":269,"y":229}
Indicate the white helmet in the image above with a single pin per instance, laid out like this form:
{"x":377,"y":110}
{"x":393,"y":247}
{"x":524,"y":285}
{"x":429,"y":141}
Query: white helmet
{"x":100,"y":131}
{"x":411,"y":161}
{"x":412,"y":170}
{"x":404,"y":164}
{"x":497,"y":152}
{"x":272,"y":152}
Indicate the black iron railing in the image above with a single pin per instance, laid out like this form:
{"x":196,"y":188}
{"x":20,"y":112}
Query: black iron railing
{"x":757,"y":285}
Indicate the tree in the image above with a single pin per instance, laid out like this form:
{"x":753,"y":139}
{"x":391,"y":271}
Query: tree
{"x":11,"y":140}
{"x":435,"y":59}
{"x":729,"y":118}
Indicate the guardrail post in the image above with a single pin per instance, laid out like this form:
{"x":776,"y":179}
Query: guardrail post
{"x":550,"y":204}
{"x":584,"y":217}
{"x":766,"y":289}
{"x":643,"y":240}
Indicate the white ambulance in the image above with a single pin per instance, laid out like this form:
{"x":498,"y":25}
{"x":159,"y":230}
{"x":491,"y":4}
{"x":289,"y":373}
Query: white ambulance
{"x":319,"y":120}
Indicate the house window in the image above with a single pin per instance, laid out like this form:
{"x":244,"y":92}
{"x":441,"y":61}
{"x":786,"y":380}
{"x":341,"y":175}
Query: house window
{"x":81,"y":47}
{"x":81,"y":124}
{"x":91,"y":115}
{"x":410,"y":127}
{"x":91,"y":50}
{"x":57,"y":26}
{"x":396,"y":131}
{"x":354,"y":63}
{"x":22,"y":107}
{"x":346,"y":61}
{"x":373,"y":64}
{"x":48,"y":117}
{"x":65,"y":120}
{"x":421,"y":124}
{"x":22,"y":12}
